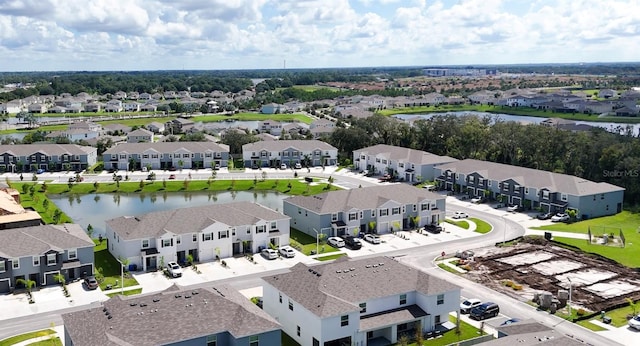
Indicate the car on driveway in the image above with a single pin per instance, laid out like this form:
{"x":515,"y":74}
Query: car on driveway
{"x":545,"y":216}
{"x":460,"y":215}
{"x":174,"y":270}
{"x":287,"y":251}
{"x":433,"y":228}
{"x":91,"y":283}
{"x":560,"y":217}
{"x":372,"y":238}
{"x":216,"y":167}
{"x":352,"y":242}
{"x":297,"y":165}
{"x":335,"y":242}
{"x":467,"y":305}
{"x":514,"y":208}
{"x":269,"y":254}
{"x":283,"y":166}
{"x":635,"y":322}
{"x":484,"y":311}
{"x":477,"y":200}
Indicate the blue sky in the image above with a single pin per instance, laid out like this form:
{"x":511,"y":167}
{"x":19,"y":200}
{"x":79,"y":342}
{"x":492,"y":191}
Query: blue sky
{"x":43,"y":35}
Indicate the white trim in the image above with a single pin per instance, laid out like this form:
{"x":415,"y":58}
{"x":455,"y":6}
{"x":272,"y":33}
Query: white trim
{"x":44,"y":276}
{"x":7,"y":279}
{"x":34,"y":258}
{"x":13,"y":262}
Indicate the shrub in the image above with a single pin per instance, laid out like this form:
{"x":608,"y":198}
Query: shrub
{"x":581,"y":312}
{"x":516,"y":287}
{"x":508,"y":283}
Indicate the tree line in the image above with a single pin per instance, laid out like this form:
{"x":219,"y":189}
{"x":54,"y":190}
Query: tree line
{"x":597,"y":155}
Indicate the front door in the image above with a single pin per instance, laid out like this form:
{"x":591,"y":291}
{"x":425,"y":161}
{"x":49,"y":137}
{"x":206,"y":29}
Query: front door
{"x":182,"y":258}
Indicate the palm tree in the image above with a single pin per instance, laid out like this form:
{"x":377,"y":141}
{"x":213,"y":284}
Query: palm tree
{"x":28,"y":284}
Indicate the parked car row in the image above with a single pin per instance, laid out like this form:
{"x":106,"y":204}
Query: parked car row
{"x":479,"y":310}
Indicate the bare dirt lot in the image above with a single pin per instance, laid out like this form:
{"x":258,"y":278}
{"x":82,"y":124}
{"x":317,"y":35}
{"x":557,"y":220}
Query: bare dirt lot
{"x":597,"y":283}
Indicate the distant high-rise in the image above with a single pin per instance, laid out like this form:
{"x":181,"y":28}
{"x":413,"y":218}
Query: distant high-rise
{"x":469,"y":72}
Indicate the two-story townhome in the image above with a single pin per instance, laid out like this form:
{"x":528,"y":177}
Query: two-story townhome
{"x":274,"y":153}
{"x":407,"y":164}
{"x":51,"y":157}
{"x":39,"y":253}
{"x":273,"y":108}
{"x":131,"y":107}
{"x":113,"y":106}
{"x":155,"y":127}
{"x":140,"y":136}
{"x":93,"y":107}
{"x":37,"y":108}
{"x":179,"y":125}
{"x":273,"y":127}
{"x":205,"y":233}
{"x":72,"y":135}
{"x":371,"y":301}
{"x":531,"y":188}
{"x":166,"y":155}
{"x":212,"y":316}
{"x":375,"y":209}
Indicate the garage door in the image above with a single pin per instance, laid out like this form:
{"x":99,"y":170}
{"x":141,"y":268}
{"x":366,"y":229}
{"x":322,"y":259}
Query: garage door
{"x":4,"y":286}
{"x":383,"y":227}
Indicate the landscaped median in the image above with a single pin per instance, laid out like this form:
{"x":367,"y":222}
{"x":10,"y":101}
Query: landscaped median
{"x":620,"y":249}
{"x":47,"y":335}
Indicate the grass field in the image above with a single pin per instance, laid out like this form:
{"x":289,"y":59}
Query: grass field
{"x":626,"y":221}
{"x":308,"y":243}
{"x":481,"y":225}
{"x":507,"y":110}
{"x":23,"y":337}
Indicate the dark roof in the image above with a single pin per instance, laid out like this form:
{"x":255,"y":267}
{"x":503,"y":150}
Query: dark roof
{"x":191,"y":220}
{"x":299,"y":144}
{"x":339,"y":287}
{"x":391,"y":317}
{"x":38,"y":240}
{"x":168,"y":317}
{"x":402,"y":154}
{"x":49,"y":149}
{"x":363,"y":198}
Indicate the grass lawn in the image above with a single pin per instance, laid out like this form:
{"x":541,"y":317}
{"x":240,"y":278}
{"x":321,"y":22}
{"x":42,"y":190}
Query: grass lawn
{"x":467,"y":332}
{"x":591,"y":326}
{"x":126,"y":292}
{"x":110,"y":268}
{"x":481,"y":225}
{"x":307,"y":243}
{"x":22,"y":337}
{"x":447,"y":268}
{"x":51,"y":342}
{"x":462,"y":223}
{"x":330,"y":257}
{"x":626,"y":221}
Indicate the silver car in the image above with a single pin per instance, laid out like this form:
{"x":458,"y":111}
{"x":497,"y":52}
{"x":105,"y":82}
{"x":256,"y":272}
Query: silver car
{"x":287,"y":251}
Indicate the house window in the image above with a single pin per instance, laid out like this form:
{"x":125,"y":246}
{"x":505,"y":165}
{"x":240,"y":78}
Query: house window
{"x":602,"y":196}
{"x":212,"y":340}
{"x":353,"y":216}
{"x":72,"y":254}
{"x":233,"y":232}
{"x":437,"y":319}
{"x":361,"y":214}
{"x":291,"y":305}
{"x":344,"y":320}
{"x":145,"y":243}
{"x":363,"y":307}
{"x":545,"y":194}
{"x":36,"y":261}
{"x":261,"y":229}
{"x":373,"y":213}
{"x":280,"y":297}
{"x":15,"y":263}
{"x":315,"y":342}
{"x":194,"y":237}
{"x":395,"y":211}
{"x":489,"y":183}
{"x":424,"y":206}
{"x":378,"y":160}
{"x":384,"y":162}
{"x":274,"y":225}
{"x":223,"y":234}
{"x":2,"y":267}
{"x":505,"y":186}
{"x":253,"y":340}
{"x":298,"y":330}
{"x":563,"y":197}
{"x":384,"y":212}
{"x":51,"y":259}
{"x":334,"y":217}
{"x":178,"y":240}
{"x":403,"y":299}
{"x":440,"y":299}
{"x":167,"y":242}
{"x":415,"y":207}
{"x":402,"y":327}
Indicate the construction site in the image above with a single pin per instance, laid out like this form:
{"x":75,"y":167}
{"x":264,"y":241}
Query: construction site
{"x":528,"y":269}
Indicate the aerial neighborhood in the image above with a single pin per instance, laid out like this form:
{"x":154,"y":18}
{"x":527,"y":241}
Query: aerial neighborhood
{"x":356,"y":251}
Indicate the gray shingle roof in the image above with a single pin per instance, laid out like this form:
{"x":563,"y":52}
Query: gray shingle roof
{"x":167,"y":318}
{"x":167,"y":147}
{"x":37,"y":240}
{"x":49,"y":149}
{"x":362,"y":198}
{"x":344,"y":284}
{"x":302,"y":145}
{"x":405,"y":154}
{"x":140,"y":132}
{"x":191,"y":220}
{"x":529,"y":177}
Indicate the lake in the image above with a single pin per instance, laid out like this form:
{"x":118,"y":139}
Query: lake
{"x":612,"y":127}
{"x":95,"y":209}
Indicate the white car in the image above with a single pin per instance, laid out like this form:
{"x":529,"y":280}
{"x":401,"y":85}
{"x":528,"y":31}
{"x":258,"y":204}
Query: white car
{"x":477,"y":200}
{"x":283,"y":166}
{"x":335,"y":242}
{"x":460,"y":215}
{"x":297,"y":165}
{"x":287,"y":251}
{"x":560,"y":217}
{"x":513,"y":208}
{"x":467,"y":305}
{"x":269,"y":254}
{"x":635,"y":322}
{"x":372,"y":238}
{"x":174,"y":269}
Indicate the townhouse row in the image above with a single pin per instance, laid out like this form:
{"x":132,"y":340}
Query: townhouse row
{"x":164,"y":155}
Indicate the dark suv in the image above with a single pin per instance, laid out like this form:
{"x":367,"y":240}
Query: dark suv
{"x":433,"y":228}
{"x":352,"y":242}
{"x":484,"y":311}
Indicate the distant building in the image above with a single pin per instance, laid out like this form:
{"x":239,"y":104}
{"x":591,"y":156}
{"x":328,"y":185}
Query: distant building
{"x":12,"y":213}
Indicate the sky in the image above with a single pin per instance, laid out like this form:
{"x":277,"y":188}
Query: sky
{"x":122,"y":35}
